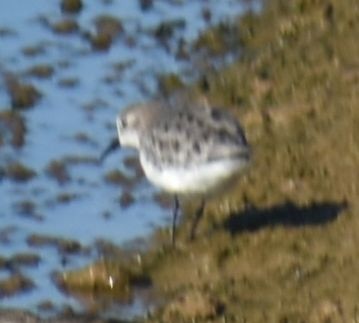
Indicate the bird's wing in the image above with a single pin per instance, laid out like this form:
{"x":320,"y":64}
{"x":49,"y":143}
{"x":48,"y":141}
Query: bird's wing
{"x":184,"y":137}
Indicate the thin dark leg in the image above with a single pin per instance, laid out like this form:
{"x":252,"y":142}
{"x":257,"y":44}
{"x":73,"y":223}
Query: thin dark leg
{"x":174,"y":220}
{"x":197,"y":218}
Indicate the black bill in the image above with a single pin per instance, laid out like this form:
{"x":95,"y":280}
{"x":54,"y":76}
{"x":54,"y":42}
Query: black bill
{"x":114,"y":144}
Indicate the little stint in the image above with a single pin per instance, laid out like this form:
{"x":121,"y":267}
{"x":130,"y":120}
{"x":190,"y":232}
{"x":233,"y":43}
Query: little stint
{"x":185,"y":150}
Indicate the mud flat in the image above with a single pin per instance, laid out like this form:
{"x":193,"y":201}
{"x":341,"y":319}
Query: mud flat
{"x":282,"y":245}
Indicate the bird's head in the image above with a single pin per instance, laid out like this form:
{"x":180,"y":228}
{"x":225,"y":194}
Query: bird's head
{"x":131,"y":123}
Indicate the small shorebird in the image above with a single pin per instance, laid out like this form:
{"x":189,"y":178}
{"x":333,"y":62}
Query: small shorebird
{"x":185,"y":150}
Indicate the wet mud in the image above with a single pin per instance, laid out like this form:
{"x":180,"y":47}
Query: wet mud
{"x":281,"y":246}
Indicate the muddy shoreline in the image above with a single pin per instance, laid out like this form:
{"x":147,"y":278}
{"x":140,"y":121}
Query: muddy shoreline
{"x":282,"y":245}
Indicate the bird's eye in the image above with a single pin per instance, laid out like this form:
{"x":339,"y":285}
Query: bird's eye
{"x":123,"y":123}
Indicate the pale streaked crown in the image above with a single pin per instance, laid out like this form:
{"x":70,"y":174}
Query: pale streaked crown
{"x":134,"y":120}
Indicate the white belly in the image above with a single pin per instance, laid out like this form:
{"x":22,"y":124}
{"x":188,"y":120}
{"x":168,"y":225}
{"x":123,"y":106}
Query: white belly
{"x":203,"y":179}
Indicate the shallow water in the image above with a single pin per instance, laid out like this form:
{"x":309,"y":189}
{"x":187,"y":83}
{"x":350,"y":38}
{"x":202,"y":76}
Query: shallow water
{"x":87,"y":110}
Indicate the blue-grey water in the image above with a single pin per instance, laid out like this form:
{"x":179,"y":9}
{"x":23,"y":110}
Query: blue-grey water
{"x":87,"y":109}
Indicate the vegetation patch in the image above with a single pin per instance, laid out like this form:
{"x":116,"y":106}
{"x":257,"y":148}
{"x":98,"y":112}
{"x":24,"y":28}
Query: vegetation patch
{"x":41,"y":71}
{"x":15,"y":284}
{"x":71,"y":6}
{"x":64,"y":246}
{"x":126,"y":199}
{"x":65,"y":26}
{"x":22,"y":95}
{"x":12,"y":128}
{"x":58,"y":170}
{"x":19,"y":172}
{"x":116,"y":177}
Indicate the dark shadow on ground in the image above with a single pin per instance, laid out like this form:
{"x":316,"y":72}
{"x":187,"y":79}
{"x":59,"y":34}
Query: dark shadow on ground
{"x":286,"y":214}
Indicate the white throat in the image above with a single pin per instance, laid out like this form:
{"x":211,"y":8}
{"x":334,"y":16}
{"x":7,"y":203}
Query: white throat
{"x":128,"y":137}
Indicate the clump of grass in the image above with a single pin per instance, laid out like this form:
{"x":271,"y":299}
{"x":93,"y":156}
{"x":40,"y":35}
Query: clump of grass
{"x":23,"y":95}
{"x":65,"y":26}
{"x":57,"y":169}
{"x":42,"y":71}
{"x":116,"y":177}
{"x":71,"y":6}
{"x":15,"y":284}
{"x":14,"y":125}
{"x":169,"y":83}
{"x":19,"y":172}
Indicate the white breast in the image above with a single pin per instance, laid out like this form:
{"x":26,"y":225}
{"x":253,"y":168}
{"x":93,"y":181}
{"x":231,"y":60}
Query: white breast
{"x":198,"y":179}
